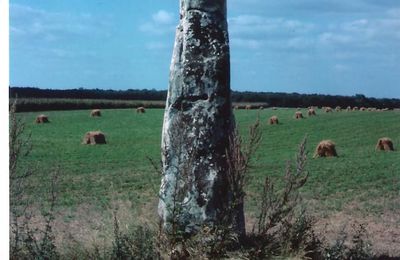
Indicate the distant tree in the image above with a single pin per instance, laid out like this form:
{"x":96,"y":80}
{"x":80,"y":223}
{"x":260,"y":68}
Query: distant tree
{"x":278,"y":99}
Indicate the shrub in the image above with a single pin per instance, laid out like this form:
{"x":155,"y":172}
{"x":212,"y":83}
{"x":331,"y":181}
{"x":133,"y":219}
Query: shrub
{"x":139,"y":243}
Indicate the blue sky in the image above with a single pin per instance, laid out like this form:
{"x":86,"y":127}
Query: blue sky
{"x":307,"y":46}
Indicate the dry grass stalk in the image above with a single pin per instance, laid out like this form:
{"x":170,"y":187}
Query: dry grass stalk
{"x":278,"y":209}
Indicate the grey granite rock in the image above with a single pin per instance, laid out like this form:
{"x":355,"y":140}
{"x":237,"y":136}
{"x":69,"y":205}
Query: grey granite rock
{"x":198,"y":121}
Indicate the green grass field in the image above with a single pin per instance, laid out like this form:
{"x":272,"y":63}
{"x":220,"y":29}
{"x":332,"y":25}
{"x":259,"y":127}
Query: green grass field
{"x":121,"y":170}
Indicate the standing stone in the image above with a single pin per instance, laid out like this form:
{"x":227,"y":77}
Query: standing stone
{"x":198,"y":122}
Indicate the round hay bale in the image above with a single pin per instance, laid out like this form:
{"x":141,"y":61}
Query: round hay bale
{"x":363,"y":109}
{"x":94,"y":137}
{"x":384,"y":144}
{"x":95,"y":112}
{"x":325,"y":148}
{"x":311,"y":112}
{"x":348,"y":109}
{"x":248,"y":107}
{"x":328,"y":110}
{"x":355,"y":108}
{"x":273,"y":120}
{"x":338,"y":109}
{"x":40,"y":119}
{"x":140,"y":110}
{"x":298,"y":115}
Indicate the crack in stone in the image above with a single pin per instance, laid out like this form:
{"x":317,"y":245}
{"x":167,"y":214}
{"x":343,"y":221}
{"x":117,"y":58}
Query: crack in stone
{"x":186,"y":102}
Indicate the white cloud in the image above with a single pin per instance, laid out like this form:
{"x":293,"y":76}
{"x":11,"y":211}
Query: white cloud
{"x":152,"y":28}
{"x":276,"y":34}
{"x":300,"y":43}
{"x":61,"y":53}
{"x":157,"y":46}
{"x":259,"y":25}
{"x":246,"y":43}
{"x":341,"y":67}
{"x":16,"y":31}
{"x":364,"y":33}
{"x":162,"y":22}
{"x":39,"y":24}
{"x":335,"y":38}
{"x":163,"y":17}
{"x":394,"y":12}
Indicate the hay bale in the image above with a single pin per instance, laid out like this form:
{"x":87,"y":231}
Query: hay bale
{"x":248,"y":107}
{"x":348,"y":109}
{"x":311,"y":112}
{"x":140,"y":110}
{"x":338,"y":109}
{"x":274,"y":108}
{"x":42,"y":119}
{"x":298,"y":115}
{"x":95,"y":112}
{"x":94,"y":137}
{"x":325,"y":148}
{"x":355,"y":108}
{"x":328,"y":110}
{"x":363,"y":109}
{"x":273,"y":120}
{"x":384,"y":144}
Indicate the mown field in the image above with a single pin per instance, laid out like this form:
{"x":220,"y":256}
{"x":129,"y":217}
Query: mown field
{"x":121,"y":170}
{"x":360,"y":186}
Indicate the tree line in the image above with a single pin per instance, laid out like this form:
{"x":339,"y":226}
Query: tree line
{"x":272,"y":99}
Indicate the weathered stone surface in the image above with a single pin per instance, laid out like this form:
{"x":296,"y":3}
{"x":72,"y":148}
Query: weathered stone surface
{"x":198,"y":120}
